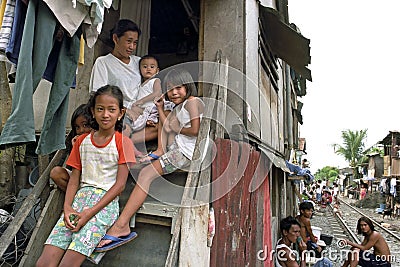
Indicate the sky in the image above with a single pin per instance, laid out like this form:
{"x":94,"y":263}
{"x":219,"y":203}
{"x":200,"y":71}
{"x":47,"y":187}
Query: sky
{"x":355,"y":56}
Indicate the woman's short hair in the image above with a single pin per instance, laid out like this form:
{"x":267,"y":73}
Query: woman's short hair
{"x":124,"y":25}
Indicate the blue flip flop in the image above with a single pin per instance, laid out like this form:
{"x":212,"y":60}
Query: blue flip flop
{"x":152,"y":156}
{"x":116,"y":241}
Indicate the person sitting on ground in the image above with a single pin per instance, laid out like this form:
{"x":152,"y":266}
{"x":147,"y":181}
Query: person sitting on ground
{"x":328,"y":197}
{"x":360,"y":255}
{"x":306,"y":210}
{"x":336,"y":207}
{"x":80,"y":124}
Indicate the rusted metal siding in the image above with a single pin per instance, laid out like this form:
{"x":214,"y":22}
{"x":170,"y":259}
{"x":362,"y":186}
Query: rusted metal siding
{"x":240,"y":220}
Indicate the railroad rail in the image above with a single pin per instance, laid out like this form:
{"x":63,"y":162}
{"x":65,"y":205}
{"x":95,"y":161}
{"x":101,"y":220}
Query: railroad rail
{"x":391,"y":233}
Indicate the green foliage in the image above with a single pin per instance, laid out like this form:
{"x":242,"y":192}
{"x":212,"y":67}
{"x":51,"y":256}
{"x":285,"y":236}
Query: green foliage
{"x":327,"y":173}
{"x":353,"y":146}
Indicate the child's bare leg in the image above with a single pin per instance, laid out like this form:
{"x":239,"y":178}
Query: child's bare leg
{"x":160,"y":145}
{"x":50,"y":257}
{"x":147,"y":134}
{"x":136,"y":199}
{"x":60,"y":176}
{"x":72,"y":259}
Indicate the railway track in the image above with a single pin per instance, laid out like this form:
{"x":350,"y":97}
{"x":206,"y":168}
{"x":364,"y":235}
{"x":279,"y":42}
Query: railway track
{"x":344,"y":226}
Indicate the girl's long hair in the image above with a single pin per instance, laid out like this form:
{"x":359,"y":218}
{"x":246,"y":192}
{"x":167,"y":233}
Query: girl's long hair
{"x":367,"y":221}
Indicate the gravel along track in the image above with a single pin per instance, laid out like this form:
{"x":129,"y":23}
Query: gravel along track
{"x":336,"y":252}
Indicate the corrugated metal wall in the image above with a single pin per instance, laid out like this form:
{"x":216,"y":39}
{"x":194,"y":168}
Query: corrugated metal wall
{"x":243,"y":229}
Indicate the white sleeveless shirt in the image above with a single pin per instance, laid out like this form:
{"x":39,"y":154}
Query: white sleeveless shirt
{"x":186,"y":143}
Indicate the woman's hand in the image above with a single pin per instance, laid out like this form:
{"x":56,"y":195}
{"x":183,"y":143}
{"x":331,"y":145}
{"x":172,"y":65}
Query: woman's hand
{"x":134,"y":112}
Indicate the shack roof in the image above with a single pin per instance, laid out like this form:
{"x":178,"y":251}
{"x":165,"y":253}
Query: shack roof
{"x":388,"y":139}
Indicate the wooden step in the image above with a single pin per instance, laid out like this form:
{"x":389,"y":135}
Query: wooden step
{"x":162,"y":204}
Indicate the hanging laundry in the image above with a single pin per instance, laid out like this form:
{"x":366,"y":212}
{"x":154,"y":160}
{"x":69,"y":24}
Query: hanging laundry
{"x":6,"y":25}
{"x":2,"y":10}
{"x":36,"y":45}
{"x":71,"y":18}
{"x":96,"y":10}
{"x":14,"y":44}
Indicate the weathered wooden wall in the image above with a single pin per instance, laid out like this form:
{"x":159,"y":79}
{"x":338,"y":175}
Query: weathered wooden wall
{"x":242,"y":215}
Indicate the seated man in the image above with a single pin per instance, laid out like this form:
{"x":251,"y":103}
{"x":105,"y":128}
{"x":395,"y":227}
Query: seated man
{"x":285,"y":256}
{"x":306,"y":210}
{"x":360,"y":255}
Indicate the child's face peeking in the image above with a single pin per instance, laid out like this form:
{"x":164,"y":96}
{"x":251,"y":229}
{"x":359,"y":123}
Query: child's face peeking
{"x":81,"y":125}
{"x":148,"y":68}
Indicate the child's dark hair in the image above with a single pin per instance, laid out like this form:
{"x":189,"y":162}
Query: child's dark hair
{"x":306,"y":205}
{"x":122,"y":26}
{"x":148,"y":57}
{"x":82,"y":110}
{"x":287,"y":222}
{"x":177,"y":77}
{"x":113,"y":91}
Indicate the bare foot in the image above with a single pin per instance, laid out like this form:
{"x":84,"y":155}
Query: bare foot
{"x":117,"y":231}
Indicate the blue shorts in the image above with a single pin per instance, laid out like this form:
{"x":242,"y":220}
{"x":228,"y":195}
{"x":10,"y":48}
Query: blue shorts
{"x":93,"y":231}
{"x":367,"y":259}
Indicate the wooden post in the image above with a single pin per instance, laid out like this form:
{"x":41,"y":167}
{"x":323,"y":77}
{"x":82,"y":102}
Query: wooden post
{"x":6,"y":155}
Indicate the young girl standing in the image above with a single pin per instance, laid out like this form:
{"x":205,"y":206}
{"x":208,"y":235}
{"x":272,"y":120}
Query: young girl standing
{"x":100,"y":162}
{"x":80,"y":124}
{"x":184,"y":125}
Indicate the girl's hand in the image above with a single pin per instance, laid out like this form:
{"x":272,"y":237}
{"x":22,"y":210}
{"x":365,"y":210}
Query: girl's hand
{"x":151,"y":123}
{"x":159,"y":102}
{"x":74,"y":139}
{"x":70,"y":217}
{"x":82,"y":219}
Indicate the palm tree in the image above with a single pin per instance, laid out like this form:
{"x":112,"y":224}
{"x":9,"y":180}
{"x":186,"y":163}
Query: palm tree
{"x":353,"y":146}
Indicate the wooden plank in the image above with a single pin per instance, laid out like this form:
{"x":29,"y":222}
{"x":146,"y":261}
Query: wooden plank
{"x":8,"y":235}
{"x":153,"y":220}
{"x":193,"y":176}
{"x":253,"y":214}
{"x":194,"y":235}
{"x":222,"y":98}
{"x":295,"y":177}
{"x":45,"y":224}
